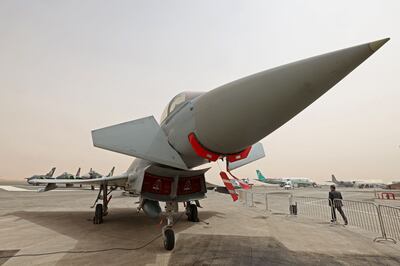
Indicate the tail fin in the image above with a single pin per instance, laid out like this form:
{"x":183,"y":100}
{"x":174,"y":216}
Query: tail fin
{"x":111,"y":172}
{"x":78,"y":172}
{"x":51,"y":173}
{"x":260,"y":176}
{"x":334,"y":180}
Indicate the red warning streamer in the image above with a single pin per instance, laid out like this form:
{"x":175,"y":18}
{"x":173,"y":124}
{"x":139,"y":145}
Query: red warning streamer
{"x":244,"y":185}
{"x":229,"y":186}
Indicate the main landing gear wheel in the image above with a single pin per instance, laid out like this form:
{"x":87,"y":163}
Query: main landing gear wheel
{"x":169,"y":239}
{"x":192,"y":213}
{"x":98,"y":214}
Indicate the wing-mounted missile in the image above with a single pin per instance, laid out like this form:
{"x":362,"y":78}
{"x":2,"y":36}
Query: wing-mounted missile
{"x":142,"y":138}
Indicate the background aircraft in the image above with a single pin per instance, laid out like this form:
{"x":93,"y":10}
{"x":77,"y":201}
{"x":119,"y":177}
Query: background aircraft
{"x":66,"y":175}
{"x":198,"y":127}
{"x":358,"y":183}
{"x":92,"y":174}
{"x":286,"y":181}
{"x":49,"y":175}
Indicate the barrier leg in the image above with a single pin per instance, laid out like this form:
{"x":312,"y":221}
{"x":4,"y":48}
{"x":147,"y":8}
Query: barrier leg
{"x":383,"y":231}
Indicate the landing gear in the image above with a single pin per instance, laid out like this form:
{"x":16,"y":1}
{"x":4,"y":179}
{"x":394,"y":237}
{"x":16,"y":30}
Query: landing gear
{"x":169,"y":239}
{"x":191,"y":212}
{"x":98,"y":214}
{"x":168,"y":233}
{"x":101,"y":209}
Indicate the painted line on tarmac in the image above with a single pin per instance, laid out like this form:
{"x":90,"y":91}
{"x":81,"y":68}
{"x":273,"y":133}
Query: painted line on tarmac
{"x":12,"y":188}
{"x":18,"y":189}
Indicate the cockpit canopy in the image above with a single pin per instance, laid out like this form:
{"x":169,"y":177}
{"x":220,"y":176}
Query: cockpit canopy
{"x":177,"y":101}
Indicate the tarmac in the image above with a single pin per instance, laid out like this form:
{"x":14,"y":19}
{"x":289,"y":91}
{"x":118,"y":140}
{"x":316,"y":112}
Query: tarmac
{"x":59,"y":223}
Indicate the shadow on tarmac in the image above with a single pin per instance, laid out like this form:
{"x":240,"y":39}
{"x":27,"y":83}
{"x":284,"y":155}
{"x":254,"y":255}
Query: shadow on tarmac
{"x":125,"y":228}
{"x":244,"y":250}
{"x":122,"y":228}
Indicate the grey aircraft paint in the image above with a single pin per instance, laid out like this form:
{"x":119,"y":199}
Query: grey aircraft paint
{"x":225,"y":120}
{"x":236,"y":115}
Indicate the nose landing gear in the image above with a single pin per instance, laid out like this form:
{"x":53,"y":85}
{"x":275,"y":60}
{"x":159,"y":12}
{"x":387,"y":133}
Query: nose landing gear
{"x":191,"y":212}
{"x":169,"y":238}
{"x":171,"y":207}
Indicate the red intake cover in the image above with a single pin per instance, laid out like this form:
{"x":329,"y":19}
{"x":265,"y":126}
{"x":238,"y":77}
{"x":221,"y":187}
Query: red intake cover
{"x":200,"y":150}
{"x":189,"y":185}
{"x":157,"y":184}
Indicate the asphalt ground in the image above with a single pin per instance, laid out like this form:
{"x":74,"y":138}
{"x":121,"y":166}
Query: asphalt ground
{"x":59,"y":223}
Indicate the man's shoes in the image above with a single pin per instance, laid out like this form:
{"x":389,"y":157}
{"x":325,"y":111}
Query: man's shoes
{"x":346,"y":223}
{"x":332,"y":221}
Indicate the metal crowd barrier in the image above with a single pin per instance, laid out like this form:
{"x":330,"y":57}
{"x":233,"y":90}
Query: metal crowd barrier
{"x":376,"y":218}
{"x":314,"y":207}
{"x":270,"y":201}
{"x":361,"y":214}
{"x":390,"y":223}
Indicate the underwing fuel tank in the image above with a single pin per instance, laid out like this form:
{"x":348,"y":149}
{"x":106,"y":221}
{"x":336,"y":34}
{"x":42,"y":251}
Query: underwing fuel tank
{"x":234,"y":116}
{"x":151,"y":208}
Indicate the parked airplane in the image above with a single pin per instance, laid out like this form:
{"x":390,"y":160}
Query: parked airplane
{"x":200,"y":127}
{"x":262,"y":178}
{"x":286,"y":182}
{"x":93,"y":175}
{"x":358,"y":183}
{"x":49,"y":175}
{"x":66,"y":175}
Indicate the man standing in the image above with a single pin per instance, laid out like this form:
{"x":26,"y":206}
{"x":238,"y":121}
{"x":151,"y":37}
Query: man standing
{"x":337,"y":204}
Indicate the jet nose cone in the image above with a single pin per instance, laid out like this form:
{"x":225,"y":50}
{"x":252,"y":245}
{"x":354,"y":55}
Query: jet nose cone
{"x":378,"y":44}
{"x":234,"y":116}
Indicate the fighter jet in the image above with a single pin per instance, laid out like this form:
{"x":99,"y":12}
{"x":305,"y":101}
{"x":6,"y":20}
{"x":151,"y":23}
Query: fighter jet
{"x":49,"y":175}
{"x":93,"y":174}
{"x":69,"y":176}
{"x":198,"y":127}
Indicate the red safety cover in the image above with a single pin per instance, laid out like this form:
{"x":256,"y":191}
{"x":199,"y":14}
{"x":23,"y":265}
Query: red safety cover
{"x":157,"y":184}
{"x":189,"y":185}
{"x":200,"y":150}
{"x":239,"y":156}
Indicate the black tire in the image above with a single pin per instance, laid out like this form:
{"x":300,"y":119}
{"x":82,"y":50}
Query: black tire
{"x":169,"y":239}
{"x":98,"y":214}
{"x":193,"y":213}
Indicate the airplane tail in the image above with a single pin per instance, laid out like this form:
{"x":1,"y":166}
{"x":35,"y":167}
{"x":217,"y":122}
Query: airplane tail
{"x":334,"y":180}
{"x":111,"y":172}
{"x":260,"y":176}
{"x":78,"y":172}
{"x":51,"y":173}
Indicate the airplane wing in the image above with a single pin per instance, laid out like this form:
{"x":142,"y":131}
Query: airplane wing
{"x":142,"y":138}
{"x":256,"y":153}
{"x":118,"y":180}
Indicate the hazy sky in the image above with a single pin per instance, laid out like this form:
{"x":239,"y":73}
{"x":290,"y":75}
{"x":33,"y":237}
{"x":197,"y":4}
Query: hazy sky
{"x":67,"y":67}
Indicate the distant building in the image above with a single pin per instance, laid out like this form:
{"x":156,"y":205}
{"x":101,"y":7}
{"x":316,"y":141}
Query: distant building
{"x":394,"y":186}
